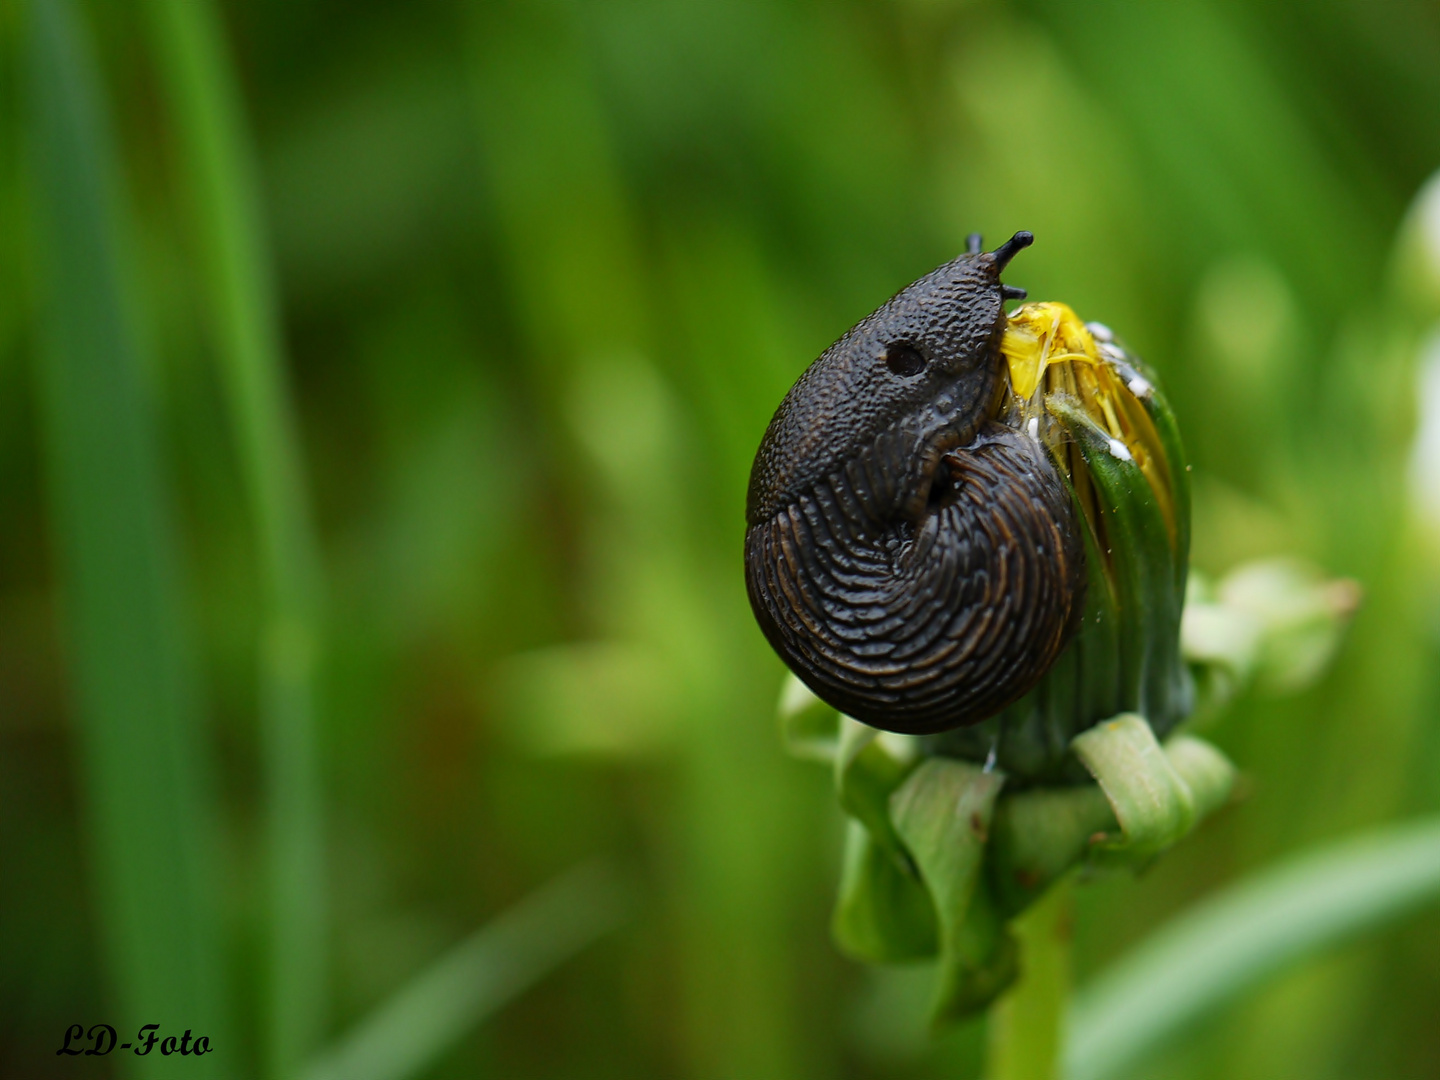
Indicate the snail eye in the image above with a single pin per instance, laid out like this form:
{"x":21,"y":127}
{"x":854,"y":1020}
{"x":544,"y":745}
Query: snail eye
{"x":904,"y":359}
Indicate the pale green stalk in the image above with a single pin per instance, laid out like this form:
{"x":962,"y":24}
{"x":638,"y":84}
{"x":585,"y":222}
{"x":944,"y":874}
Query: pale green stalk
{"x":1026,"y":1026}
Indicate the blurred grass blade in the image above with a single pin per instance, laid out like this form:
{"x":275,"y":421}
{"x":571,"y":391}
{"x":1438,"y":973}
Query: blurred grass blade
{"x":1251,"y":931}
{"x":224,"y":199}
{"x":144,"y":777}
{"x":478,"y":977}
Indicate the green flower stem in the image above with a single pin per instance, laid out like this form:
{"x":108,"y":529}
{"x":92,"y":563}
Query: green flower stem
{"x":1026,"y":1025}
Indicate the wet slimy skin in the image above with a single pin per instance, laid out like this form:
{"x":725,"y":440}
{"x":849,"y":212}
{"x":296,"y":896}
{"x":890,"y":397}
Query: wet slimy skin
{"x":915,"y":560}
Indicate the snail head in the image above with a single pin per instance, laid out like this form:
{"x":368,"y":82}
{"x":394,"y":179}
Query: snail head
{"x":912,"y":380}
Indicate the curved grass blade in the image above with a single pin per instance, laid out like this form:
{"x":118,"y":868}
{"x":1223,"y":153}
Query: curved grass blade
{"x":144,"y":772}
{"x":478,"y":977}
{"x":1246,"y":934}
{"x":223,"y":193}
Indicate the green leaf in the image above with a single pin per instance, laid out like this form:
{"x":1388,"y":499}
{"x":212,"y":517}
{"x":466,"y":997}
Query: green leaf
{"x":883,"y":914}
{"x":406,"y":1034}
{"x":1245,"y":934}
{"x":1150,"y":800}
{"x":145,"y":777}
{"x":943,"y":813}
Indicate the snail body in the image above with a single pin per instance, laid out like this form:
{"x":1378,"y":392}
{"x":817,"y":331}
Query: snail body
{"x":915,"y":561}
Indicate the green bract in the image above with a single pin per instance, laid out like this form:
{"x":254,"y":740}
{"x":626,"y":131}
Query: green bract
{"x":1109,"y":429}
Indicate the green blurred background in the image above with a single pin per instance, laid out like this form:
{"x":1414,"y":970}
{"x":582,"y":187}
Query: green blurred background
{"x":445,"y":334}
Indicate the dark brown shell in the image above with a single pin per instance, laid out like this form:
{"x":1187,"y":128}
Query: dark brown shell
{"x":917,"y":564}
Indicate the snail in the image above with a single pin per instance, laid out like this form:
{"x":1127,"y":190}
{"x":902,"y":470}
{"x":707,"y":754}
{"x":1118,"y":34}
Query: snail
{"x":915,"y":560}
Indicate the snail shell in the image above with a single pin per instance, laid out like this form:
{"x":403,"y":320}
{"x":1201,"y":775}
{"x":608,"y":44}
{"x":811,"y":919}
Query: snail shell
{"x":915,"y":562}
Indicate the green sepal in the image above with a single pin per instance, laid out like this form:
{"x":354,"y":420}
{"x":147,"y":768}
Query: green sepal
{"x":1157,"y":405}
{"x":867,"y":771}
{"x":1205,"y":770}
{"x":883,"y":914}
{"x":809,"y":727}
{"x":1152,"y":803}
{"x":1039,"y":834}
{"x":943,"y":813}
{"x":982,"y":965}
